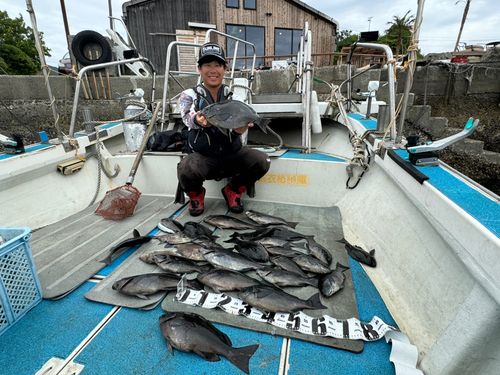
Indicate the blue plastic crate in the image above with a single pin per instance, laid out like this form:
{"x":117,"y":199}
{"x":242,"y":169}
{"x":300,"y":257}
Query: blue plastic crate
{"x":20,"y":288}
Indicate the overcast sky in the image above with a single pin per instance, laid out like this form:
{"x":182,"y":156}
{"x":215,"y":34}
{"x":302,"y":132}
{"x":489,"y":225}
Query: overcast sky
{"x":441,"y":19}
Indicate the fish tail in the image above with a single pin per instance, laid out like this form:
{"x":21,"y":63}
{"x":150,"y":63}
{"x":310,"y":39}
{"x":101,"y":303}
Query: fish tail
{"x":341,"y":266}
{"x":313,"y":281}
{"x":315,"y":302}
{"x":263,"y":124}
{"x":107,"y":260}
{"x":240,"y":357}
{"x":292,"y":224}
{"x":343,"y":240}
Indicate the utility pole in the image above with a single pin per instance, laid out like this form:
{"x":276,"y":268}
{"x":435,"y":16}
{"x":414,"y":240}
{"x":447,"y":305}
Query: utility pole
{"x":466,"y":10}
{"x":369,"y":21}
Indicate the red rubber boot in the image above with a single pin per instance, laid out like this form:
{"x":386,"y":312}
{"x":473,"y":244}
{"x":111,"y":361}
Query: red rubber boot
{"x":232,"y":196}
{"x":196,"y":203}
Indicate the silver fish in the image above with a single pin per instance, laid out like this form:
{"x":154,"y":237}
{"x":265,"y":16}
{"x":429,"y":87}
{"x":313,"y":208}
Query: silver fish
{"x":190,"y":332}
{"x":174,"y":238}
{"x":265,"y":219}
{"x":287,"y":264}
{"x":268,"y":298}
{"x":310,"y":264}
{"x":147,"y":284}
{"x":229,"y":260}
{"x":332,"y":282}
{"x":227,"y":222}
{"x":175,"y":264}
{"x":170,"y":225}
{"x":224,"y":280}
{"x":280,"y":278}
{"x":189,"y":251}
{"x":289,"y":253}
{"x":233,"y":114}
{"x":319,"y":252}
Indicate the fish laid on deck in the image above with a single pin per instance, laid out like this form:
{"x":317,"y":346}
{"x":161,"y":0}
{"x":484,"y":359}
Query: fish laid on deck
{"x":227,"y":222}
{"x":192,"y":333}
{"x":357,"y":253}
{"x":265,"y":219}
{"x":225,"y":280}
{"x":332,"y":282}
{"x":137,"y":239}
{"x":170,"y":226}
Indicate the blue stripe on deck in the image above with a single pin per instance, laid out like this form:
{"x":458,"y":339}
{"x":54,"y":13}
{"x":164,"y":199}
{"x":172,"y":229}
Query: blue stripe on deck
{"x":106,"y":126}
{"x":132,"y":343}
{"x":296,"y":154}
{"x":306,"y":358}
{"x":27,"y":149}
{"x":369,"y":124}
{"x":481,"y":208}
{"x":51,"y":329}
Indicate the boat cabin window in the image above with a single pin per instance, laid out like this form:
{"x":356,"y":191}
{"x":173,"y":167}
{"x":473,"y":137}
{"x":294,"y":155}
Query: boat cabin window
{"x":286,"y":42}
{"x":250,"y":4}
{"x":232,"y":3}
{"x":252,"y":34}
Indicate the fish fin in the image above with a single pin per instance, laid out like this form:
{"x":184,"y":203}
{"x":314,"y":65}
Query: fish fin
{"x":315,"y":302}
{"x":170,"y":348}
{"x":224,"y":131}
{"x":107,"y":260}
{"x":136,"y":233}
{"x":263,"y":124}
{"x":299,"y":245}
{"x":142,"y":296}
{"x":313,"y":281}
{"x":343,"y":240}
{"x":372,"y":252}
{"x":207,"y":356}
{"x":341,"y":266}
{"x":240,"y":357}
{"x":292,"y":224}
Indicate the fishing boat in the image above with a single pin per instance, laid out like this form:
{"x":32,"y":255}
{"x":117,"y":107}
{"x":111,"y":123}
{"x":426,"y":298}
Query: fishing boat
{"x":340,"y":173}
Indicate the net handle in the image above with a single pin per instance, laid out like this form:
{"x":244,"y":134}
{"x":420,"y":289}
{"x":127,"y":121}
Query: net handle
{"x":138,"y":158}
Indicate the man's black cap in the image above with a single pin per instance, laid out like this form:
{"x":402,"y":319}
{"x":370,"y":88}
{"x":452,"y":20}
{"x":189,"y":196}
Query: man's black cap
{"x":211,"y":49}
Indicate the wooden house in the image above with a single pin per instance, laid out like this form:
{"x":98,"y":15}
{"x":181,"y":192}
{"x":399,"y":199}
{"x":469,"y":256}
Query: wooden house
{"x":273,"y":26}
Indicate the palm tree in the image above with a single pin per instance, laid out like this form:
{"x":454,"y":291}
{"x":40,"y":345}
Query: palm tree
{"x":399,"y":27}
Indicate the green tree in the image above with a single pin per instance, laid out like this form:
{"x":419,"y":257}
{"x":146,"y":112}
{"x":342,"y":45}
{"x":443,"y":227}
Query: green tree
{"x":17,"y":46}
{"x":400,"y":29}
{"x":344,"y":38}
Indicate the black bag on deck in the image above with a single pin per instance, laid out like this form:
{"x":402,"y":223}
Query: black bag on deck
{"x":169,"y":140}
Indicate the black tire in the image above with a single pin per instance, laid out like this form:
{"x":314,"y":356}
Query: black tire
{"x":91,"y":48}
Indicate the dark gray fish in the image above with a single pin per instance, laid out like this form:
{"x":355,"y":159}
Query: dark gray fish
{"x":287,"y":264}
{"x":268,"y":298}
{"x":129,"y":242}
{"x":175,"y":264}
{"x":227,"y":222}
{"x":190,"y":332}
{"x":357,"y":253}
{"x":280,"y":278}
{"x":198,"y":231}
{"x":278,"y":232}
{"x":225,"y":280}
{"x":233,"y":114}
{"x":144,"y":285}
{"x":310,"y":264}
{"x":189,"y":251}
{"x":332,"y":282}
{"x":252,"y":250}
{"x":229,"y":260}
{"x":174,"y":238}
{"x":265,"y":219}
{"x":273,"y":241}
{"x":319,"y":252}
{"x":289,"y":253}
{"x":170,"y":225}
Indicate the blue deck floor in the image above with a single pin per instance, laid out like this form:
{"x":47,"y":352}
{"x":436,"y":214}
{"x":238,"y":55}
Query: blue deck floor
{"x":132,"y":342}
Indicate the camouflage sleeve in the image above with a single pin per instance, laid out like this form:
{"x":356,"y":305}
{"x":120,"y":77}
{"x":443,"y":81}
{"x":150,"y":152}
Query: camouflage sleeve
{"x":187,"y":106}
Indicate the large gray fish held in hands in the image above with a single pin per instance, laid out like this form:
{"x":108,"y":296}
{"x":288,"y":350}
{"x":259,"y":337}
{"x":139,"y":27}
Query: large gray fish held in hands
{"x":190,"y":332}
{"x":233,"y":114}
{"x":332,"y":282}
{"x":268,"y":298}
{"x":265,"y":219}
{"x":225,"y":280}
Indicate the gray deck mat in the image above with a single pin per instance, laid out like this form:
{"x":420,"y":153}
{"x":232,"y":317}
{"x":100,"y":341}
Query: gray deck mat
{"x":325,"y":224}
{"x":69,"y":252}
{"x":103,"y":292}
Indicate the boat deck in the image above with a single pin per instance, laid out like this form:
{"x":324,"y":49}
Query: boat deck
{"x":106,"y":338}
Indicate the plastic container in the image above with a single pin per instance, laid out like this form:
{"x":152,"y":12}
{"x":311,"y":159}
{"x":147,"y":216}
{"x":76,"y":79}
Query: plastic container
{"x":134,"y":130}
{"x":20,"y":288}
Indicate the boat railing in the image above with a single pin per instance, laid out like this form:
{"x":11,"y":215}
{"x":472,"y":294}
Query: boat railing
{"x":88,"y":68}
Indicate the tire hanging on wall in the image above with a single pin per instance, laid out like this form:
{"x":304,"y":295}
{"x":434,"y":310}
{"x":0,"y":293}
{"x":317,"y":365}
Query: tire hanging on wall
{"x":91,"y":48}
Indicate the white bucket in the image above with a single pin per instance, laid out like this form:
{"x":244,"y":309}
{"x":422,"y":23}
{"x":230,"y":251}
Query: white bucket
{"x":134,"y":135}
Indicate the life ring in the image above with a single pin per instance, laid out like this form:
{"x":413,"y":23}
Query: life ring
{"x":91,"y":48}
